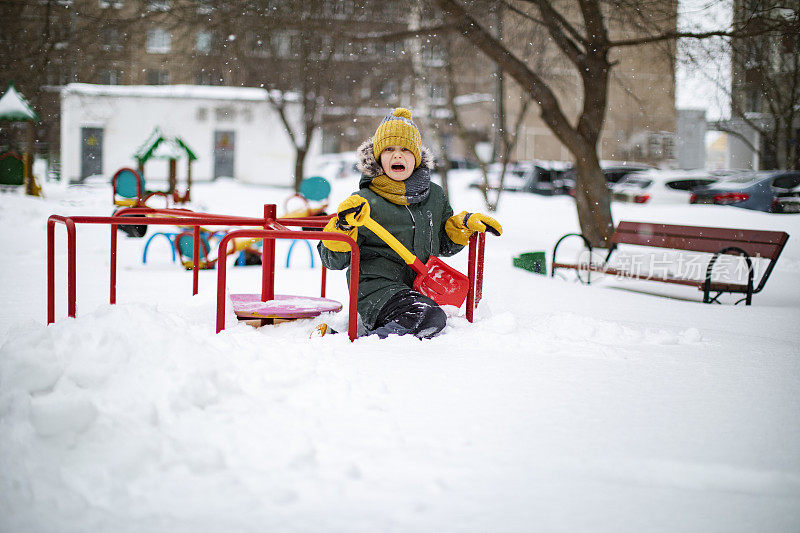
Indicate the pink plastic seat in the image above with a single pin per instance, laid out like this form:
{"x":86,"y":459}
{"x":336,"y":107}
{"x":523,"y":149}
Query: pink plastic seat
{"x":284,"y":306}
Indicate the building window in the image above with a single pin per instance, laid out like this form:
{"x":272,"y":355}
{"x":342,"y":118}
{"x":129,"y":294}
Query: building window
{"x":157,"y":76}
{"x":437,"y":93}
{"x":157,"y":5}
{"x":285,"y":44}
{"x":790,"y":44}
{"x":258,"y":45}
{"x":433,"y":55}
{"x":110,"y":40}
{"x":202,"y":43}
{"x":225,"y":114}
{"x":110,"y":77}
{"x":388,"y":91}
{"x":753,"y":99}
{"x":345,"y":51}
{"x":343,"y":9}
{"x":60,"y":74}
{"x":392,"y":49}
{"x":159,"y":41}
{"x":209,"y":77}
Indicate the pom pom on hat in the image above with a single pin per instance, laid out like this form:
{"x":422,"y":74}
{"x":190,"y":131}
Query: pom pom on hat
{"x":402,"y":112}
{"x":398,"y":129}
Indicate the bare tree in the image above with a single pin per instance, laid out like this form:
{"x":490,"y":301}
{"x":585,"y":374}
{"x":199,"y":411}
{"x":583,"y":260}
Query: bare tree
{"x":508,"y":136}
{"x":582,"y":33}
{"x":304,"y":53}
{"x":311,"y":79}
{"x":47,"y":44}
{"x":586,"y":47}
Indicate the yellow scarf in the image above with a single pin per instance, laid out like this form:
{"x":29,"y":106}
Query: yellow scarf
{"x":412,"y":190}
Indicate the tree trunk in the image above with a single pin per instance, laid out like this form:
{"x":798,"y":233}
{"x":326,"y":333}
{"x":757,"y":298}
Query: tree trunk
{"x":443,"y":170}
{"x":299,"y":163}
{"x":592,"y":201}
{"x":27,"y":162}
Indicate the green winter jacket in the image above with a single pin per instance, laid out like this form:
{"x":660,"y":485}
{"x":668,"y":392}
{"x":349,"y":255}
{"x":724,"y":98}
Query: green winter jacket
{"x":420,"y":227}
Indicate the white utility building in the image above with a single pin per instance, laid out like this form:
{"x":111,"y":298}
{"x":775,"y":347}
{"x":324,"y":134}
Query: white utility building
{"x":234,"y":131}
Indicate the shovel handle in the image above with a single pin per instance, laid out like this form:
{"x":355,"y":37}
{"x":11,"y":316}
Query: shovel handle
{"x":394,"y":244}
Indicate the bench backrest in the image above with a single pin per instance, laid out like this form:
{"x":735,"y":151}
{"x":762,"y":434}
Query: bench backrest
{"x":757,"y":243}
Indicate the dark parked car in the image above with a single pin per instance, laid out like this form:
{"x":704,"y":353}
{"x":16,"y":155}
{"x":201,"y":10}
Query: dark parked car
{"x":755,"y":190}
{"x":787,"y":202}
{"x":513,"y":179}
{"x":546,"y":178}
{"x":459,"y":164}
{"x":613,"y":171}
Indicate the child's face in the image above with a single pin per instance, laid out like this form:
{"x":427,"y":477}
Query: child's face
{"x":397,"y":162}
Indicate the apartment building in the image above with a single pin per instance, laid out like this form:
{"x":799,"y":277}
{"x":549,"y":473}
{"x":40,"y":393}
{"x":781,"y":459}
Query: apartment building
{"x":765,"y":82}
{"x":316,"y":48}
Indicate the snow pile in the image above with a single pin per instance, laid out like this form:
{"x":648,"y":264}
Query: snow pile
{"x":562,"y":408}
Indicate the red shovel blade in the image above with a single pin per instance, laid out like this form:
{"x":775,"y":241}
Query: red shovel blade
{"x":442,"y":283}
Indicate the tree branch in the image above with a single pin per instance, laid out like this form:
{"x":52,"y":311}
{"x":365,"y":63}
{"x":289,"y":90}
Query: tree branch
{"x":668,"y":36}
{"x":555,"y":24}
{"x":561,"y":21}
{"x":550,"y":108}
{"x":400,"y":35}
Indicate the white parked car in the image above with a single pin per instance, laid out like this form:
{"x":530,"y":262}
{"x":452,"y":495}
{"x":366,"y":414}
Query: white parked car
{"x":514,"y":179}
{"x":336,"y":166}
{"x":660,"y":186}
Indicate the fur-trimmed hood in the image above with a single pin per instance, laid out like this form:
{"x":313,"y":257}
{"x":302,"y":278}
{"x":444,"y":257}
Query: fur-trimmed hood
{"x":370,"y":168}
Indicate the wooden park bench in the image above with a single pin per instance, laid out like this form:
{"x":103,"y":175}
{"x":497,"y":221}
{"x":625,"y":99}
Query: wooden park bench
{"x":749,"y":244}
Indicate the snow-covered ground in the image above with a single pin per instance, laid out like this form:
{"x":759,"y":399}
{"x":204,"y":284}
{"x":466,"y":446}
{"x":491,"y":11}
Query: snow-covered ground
{"x":564,"y":407}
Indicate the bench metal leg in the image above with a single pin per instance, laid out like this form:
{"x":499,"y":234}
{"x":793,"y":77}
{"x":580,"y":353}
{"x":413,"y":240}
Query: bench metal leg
{"x":555,"y":249}
{"x":708,"y":300}
{"x":707,"y":283}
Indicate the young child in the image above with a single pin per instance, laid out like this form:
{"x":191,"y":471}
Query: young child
{"x":396,"y":191}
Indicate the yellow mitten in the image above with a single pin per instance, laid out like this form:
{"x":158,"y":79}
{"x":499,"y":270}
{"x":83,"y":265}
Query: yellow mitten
{"x":460,"y":227}
{"x":339,"y":246}
{"x":350,"y":214}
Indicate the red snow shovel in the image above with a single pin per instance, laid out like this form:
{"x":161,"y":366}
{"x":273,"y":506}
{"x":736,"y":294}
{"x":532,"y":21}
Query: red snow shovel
{"x":435,"y":279}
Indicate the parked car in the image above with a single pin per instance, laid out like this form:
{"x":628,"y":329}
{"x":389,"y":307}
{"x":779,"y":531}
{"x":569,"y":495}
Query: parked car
{"x":613,"y":171}
{"x":660,"y":186}
{"x":336,"y":166}
{"x":546,"y":178}
{"x":753,"y":190}
{"x":458,"y":164}
{"x":514,"y":179}
{"x":787,"y":202}
{"x":461,"y":170}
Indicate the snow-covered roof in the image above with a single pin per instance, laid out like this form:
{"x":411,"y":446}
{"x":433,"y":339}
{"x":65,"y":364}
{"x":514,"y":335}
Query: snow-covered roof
{"x":168,"y":149}
{"x":14,"y":107}
{"x":160,"y":146}
{"x":168,"y":91}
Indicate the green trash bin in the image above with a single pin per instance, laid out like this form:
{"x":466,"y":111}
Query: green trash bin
{"x":532,"y":261}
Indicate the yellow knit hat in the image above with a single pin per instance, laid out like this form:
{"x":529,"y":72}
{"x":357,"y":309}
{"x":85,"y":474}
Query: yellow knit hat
{"x":397,"y":129}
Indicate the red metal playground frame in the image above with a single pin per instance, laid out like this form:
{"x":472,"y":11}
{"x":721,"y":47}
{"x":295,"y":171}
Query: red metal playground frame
{"x":269,"y":228}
